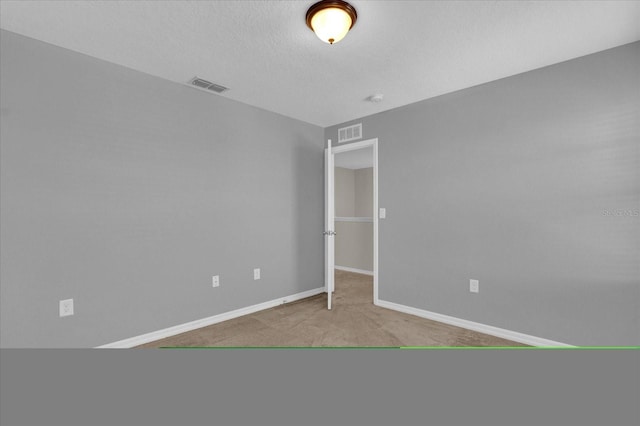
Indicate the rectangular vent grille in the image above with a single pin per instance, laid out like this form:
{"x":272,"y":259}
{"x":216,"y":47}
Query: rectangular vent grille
{"x":207,"y":85}
{"x":350,"y":133}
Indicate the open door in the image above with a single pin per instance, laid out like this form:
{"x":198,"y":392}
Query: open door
{"x":329,"y":221}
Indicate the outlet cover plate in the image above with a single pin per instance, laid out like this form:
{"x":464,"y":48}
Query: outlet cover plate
{"x":215,"y":281}
{"x":474,"y":286}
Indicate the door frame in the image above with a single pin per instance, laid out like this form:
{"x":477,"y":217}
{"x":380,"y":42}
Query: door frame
{"x":373,"y":143}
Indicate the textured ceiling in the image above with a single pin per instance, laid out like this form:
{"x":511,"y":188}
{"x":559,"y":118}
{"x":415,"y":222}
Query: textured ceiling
{"x":263,"y":51}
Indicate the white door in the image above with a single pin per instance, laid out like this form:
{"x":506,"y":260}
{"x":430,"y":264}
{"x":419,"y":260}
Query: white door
{"x":329,"y":221}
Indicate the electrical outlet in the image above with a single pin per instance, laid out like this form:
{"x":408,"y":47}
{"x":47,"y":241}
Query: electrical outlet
{"x":256,"y":274}
{"x":66,"y":307}
{"x":215,"y":281}
{"x":474,"y":286}
{"x":383,"y":213}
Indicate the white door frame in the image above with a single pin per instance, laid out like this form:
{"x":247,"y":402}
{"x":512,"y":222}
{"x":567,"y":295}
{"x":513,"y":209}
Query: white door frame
{"x":352,"y":147}
{"x":329,"y":219}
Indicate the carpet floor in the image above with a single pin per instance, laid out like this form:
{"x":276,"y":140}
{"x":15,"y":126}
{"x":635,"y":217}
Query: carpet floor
{"x":354,"y":321}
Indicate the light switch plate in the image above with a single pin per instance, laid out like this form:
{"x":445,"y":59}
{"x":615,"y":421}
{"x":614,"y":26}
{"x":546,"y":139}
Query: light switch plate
{"x":256,"y":274}
{"x":474,"y":286}
{"x":66,"y":307}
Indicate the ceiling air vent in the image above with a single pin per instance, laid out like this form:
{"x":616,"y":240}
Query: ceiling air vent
{"x":350,"y":133}
{"x":207,"y":85}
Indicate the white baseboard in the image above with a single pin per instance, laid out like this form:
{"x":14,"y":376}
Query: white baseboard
{"x":471,"y":325}
{"x":357,"y":271}
{"x":192,"y":325}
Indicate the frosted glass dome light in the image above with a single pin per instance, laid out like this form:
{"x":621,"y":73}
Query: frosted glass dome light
{"x":331,"y":20}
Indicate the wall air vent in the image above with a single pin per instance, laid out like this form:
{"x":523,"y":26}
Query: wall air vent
{"x":207,"y":85}
{"x":350,"y":133}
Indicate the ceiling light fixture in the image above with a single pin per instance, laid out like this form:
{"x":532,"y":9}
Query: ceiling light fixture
{"x":331,"y":20}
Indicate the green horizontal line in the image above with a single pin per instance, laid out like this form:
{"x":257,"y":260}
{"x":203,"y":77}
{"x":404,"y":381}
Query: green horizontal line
{"x":280,"y":347}
{"x":528,"y":348}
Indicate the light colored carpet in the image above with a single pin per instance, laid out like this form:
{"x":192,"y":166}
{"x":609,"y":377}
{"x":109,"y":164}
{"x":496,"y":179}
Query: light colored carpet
{"x":354,"y":321}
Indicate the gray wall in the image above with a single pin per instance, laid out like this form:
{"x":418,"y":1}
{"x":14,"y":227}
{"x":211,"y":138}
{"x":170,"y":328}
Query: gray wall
{"x":363,"y":183}
{"x":354,"y":245}
{"x":354,"y":198}
{"x":344,"y":192}
{"x":353,"y":192}
{"x":127,"y":193}
{"x":516,"y":183}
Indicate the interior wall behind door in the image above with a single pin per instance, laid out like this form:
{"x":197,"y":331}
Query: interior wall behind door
{"x":354,"y":213}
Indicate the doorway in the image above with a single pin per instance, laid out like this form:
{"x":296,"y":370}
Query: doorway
{"x":351,"y":212}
